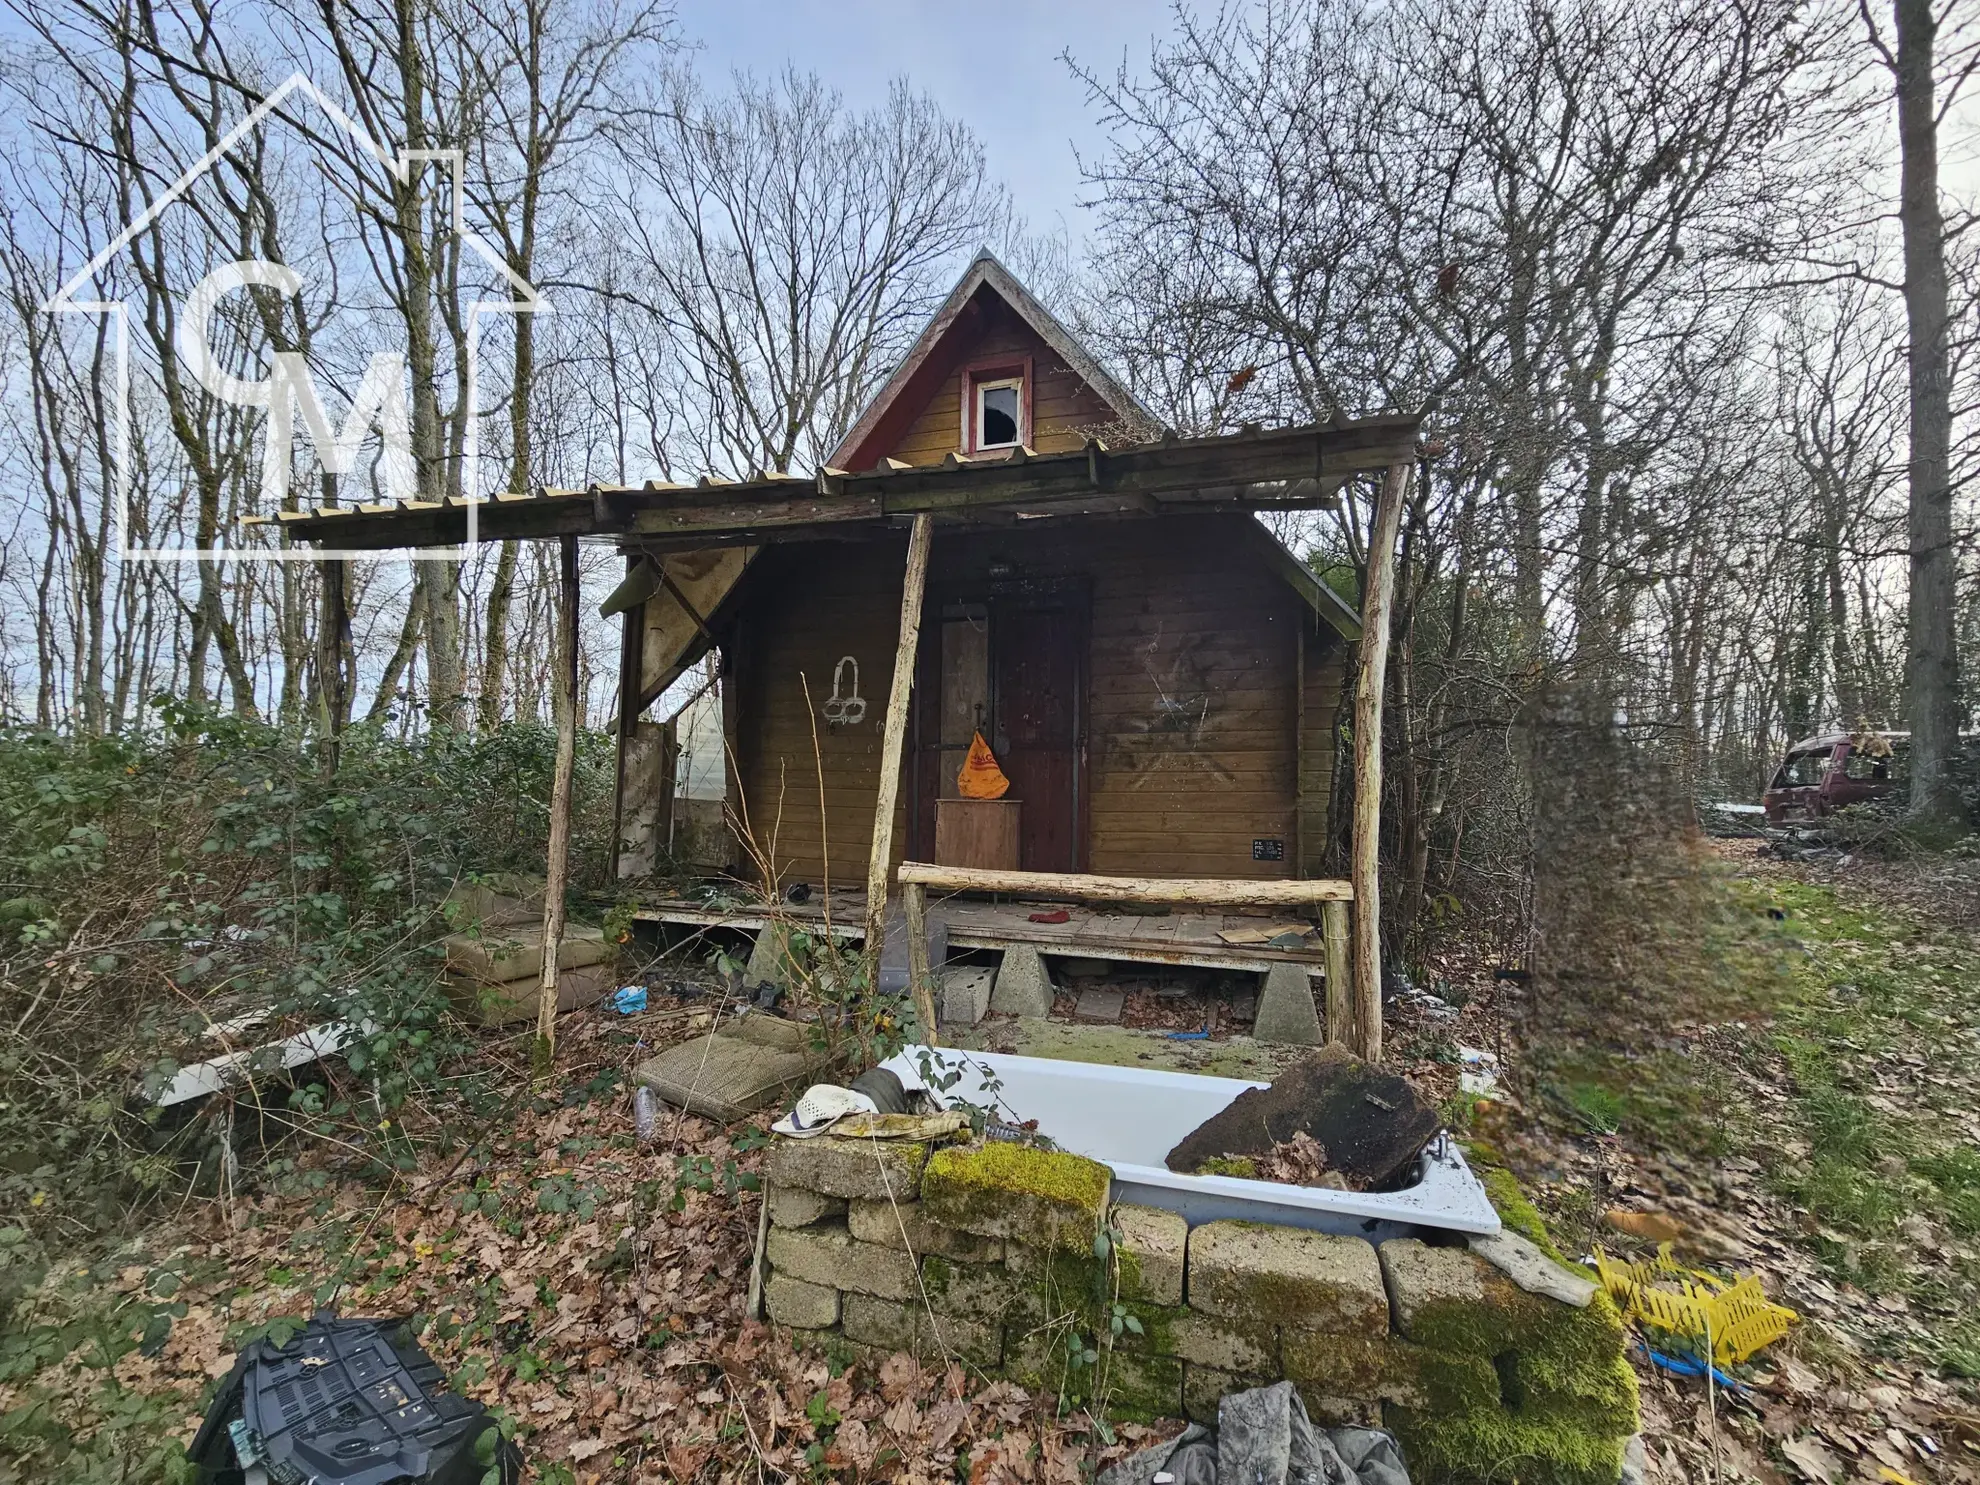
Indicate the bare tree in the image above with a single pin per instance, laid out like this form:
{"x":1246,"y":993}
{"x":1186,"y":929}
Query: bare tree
{"x":547,"y":75}
{"x":794,"y":248}
{"x":1932,"y":694}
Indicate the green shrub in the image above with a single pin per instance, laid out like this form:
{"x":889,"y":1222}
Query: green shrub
{"x":215,"y":869}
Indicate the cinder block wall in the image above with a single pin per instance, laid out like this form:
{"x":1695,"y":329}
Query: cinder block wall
{"x":1013,"y":1261}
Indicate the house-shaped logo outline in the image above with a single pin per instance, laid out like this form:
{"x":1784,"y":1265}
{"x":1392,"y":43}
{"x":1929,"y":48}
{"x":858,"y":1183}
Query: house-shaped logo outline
{"x":64,"y":301}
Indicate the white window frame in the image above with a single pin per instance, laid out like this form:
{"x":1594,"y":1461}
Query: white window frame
{"x":1016,"y":383}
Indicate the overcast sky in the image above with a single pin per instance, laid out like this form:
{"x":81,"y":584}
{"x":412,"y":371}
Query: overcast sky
{"x":999,"y":69}
{"x":996,"y":67}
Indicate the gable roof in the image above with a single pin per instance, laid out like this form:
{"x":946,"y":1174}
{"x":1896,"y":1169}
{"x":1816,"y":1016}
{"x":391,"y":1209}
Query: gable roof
{"x":987,"y":272}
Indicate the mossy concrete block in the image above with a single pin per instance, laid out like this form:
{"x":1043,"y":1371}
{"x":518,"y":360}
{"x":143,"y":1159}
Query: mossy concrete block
{"x":1204,"y":1387}
{"x":978,"y":1291}
{"x":1023,"y":986}
{"x":1421,"y":1278}
{"x":1045,"y":1198}
{"x":1286,"y":1012}
{"x":883,"y":1222}
{"x":1068,"y":1278}
{"x":1497,"y":1445}
{"x":1600,"y":1399}
{"x":1248,"y":1271}
{"x":806,"y":1306}
{"x":770,"y":961}
{"x":1129,"y":1385}
{"x":1386,"y":1369}
{"x":1341,"y":1412}
{"x":1454,"y":1301}
{"x":793,"y":1206}
{"x":850,"y":1168}
{"x":827,"y":1255}
{"x":909,"y":1326}
{"x":1226,"y":1345}
{"x":1153,"y":1244}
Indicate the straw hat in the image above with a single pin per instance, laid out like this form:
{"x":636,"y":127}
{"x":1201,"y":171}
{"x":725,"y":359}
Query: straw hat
{"x":822,"y":1106}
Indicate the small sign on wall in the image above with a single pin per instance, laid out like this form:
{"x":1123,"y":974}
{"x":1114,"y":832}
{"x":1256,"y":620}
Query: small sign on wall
{"x":1268,"y":850}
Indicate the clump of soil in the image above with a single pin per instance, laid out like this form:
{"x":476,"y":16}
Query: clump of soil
{"x":1366,"y":1125}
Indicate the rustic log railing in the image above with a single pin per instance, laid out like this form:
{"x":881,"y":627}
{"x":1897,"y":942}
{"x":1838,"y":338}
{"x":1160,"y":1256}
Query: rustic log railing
{"x":918,"y":878}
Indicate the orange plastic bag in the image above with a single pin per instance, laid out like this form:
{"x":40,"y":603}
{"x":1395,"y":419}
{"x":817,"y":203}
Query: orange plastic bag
{"x":980,"y":777}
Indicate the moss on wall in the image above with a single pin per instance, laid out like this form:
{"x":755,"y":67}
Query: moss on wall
{"x":1494,"y":1445}
{"x":1037,"y":1197}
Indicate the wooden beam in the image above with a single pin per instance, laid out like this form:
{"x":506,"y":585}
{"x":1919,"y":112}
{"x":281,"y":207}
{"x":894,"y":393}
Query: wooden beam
{"x":1378,"y":598}
{"x":1278,"y":892}
{"x":557,"y":869}
{"x":893,"y":740}
{"x":921,"y":982}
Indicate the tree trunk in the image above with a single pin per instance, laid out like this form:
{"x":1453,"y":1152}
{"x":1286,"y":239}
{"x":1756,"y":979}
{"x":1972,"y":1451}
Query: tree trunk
{"x":1931,"y":672}
{"x":402,"y":654}
{"x":495,"y":637}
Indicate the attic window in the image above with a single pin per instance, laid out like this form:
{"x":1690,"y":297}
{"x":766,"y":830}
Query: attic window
{"x":999,"y":412}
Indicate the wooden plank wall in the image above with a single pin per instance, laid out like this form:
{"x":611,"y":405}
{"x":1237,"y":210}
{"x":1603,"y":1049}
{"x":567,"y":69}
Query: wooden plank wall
{"x":807,"y":606}
{"x":1191,"y":703}
{"x":1063,"y":407}
{"x":1326,"y":665}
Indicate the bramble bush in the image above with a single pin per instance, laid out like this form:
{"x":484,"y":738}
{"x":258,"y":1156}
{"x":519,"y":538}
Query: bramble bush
{"x":215,"y":874}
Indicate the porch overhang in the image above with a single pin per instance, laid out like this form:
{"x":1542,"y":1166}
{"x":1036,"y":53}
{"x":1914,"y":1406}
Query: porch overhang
{"x":1281,"y":469}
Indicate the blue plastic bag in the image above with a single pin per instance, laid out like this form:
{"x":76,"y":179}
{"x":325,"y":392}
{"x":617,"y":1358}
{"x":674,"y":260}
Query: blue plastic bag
{"x":628,"y":1000}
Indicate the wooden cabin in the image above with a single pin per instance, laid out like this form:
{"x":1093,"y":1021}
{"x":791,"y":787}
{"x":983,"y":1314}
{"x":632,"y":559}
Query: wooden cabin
{"x":1159,"y":679}
{"x":1161,"y":686}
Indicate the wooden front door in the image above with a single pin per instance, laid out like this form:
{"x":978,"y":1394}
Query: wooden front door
{"x":1014,"y":666}
{"x":1038,"y":681}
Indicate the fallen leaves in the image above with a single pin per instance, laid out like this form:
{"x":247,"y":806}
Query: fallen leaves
{"x":1808,"y":1455}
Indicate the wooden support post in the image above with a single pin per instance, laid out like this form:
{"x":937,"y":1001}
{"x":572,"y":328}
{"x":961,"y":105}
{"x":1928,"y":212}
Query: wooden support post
{"x":1378,"y":596}
{"x":563,"y":691}
{"x":632,"y":634}
{"x":1340,"y":983}
{"x":920,"y":977}
{"x":893,"y":739}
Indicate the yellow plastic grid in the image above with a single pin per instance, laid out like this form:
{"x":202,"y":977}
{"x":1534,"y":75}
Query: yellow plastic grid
{"x":1733,"y":1319}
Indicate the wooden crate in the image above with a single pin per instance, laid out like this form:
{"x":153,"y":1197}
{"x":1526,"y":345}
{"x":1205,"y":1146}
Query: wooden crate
{"x":977,"y":832}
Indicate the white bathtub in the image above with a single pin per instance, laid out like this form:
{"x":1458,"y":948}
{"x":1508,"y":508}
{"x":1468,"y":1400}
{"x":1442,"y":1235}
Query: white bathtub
{"x":1129,"y":1118}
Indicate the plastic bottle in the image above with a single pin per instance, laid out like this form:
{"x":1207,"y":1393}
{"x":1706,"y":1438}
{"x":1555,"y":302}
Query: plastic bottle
{"x":646,"y":1114}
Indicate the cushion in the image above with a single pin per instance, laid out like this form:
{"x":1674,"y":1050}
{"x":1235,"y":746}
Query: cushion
{"x":500,"y":954}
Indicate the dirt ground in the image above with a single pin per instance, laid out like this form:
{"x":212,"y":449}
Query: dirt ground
{"x":591,"y":1287}
{"x":1839,"y":1159}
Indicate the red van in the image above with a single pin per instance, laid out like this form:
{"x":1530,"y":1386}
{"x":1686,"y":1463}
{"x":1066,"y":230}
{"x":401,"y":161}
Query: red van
{"x":1825,"y":773}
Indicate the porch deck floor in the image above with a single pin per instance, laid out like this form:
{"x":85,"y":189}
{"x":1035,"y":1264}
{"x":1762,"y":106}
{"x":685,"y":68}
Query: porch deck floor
{"x":1177,"y":937}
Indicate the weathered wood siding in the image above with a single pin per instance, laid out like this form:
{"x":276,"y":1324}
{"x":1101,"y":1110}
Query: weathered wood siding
{"x":1191,"y":705}
{"x":809,"y":605}
{"x":1063,"y":407}
{"x":1326,"y":666}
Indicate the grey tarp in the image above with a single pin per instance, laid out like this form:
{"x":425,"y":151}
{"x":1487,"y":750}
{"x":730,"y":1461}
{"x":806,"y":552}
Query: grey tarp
{"x":1263,"y":1437}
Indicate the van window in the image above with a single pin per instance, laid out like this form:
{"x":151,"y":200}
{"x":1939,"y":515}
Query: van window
{"x":1863,"y":769}
{"x":1802,"y":770}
